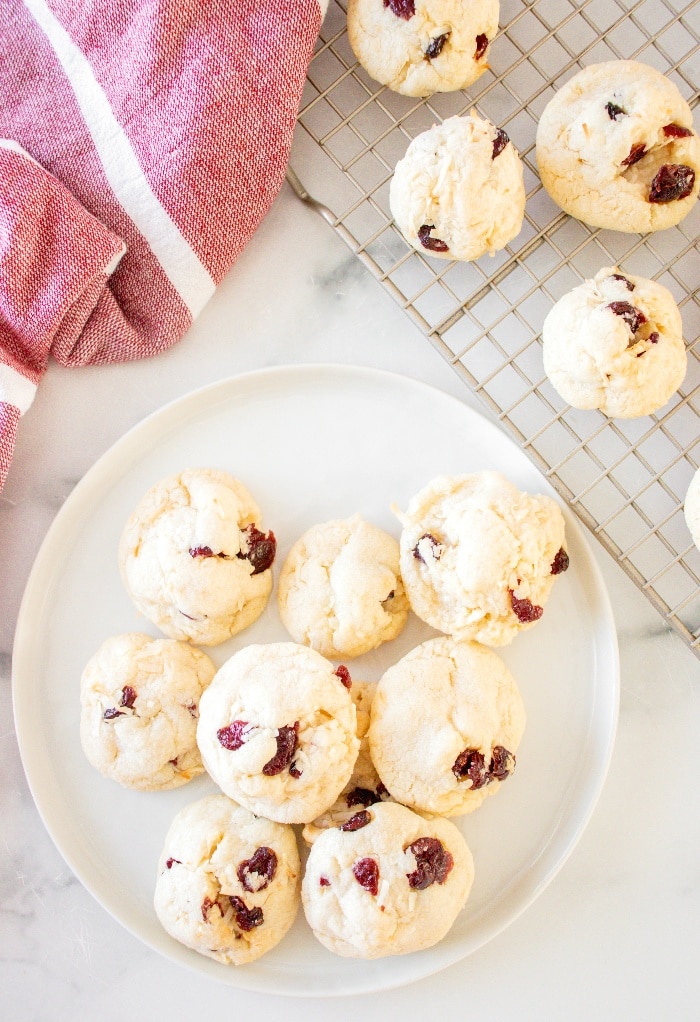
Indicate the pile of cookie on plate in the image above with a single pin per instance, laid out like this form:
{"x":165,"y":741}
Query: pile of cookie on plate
{"x":364,"y":774}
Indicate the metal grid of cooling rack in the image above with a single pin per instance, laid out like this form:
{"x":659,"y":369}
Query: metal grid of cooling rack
{"x":625,"y":479}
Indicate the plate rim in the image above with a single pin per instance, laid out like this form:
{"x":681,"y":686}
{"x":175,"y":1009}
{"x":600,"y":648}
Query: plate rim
{"x":606,"y":644}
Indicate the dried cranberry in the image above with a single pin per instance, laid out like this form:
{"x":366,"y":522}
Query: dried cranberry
{"x":401,"y":8}
{"x":192,"y":710}
{"x":482,"y":42}
{"x":676,"y":131}
{"x":635,"y":154}
{"x":361,"y":797}
{"x":560,"y":562}
{"x":294,"y":770}
{"x":524,"y":609}
{"x":653,"y":338}
{"x":111,"y":713}
{"x":499,"y":143}
{"x":358,"y":821}
{"x":169,"y":863}
{"x":434,"y":546}
{"x":436,"y":45}
{"x":286,"y":747}
{"x":433,"y":863}
{"x":206,"y":906}
{"x":432,"y":244}
{"x":202,"y":551}
{"x":324,"y":882}
{"x":673,"y":181}
{"x":502,"y":763}
{"x":263,"y":864}
{"x":344,"y":674}
{"x":471,"y":765}
{"x":624,"y":280}
{"x":614,"y":111}
{"x":246,"y":918}
{"x":128,"y":696}
{"x":231,"y":737}
{"x":366,"y":872}
{"x":260,"y":549}
{"x":632,"y":316}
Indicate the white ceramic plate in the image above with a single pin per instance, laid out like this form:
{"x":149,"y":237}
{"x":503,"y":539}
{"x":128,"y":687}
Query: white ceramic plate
{"x":312,"y":443}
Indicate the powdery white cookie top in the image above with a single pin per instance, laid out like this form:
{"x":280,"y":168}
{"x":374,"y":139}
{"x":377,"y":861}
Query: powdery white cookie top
{"x":139,"y":701}
{"x":616,"y":148}
{"x":228,"y":882}
{"x":389,"y":884}
{"x":615,"y":343}
{"x":194,"y":558}
{"x":364,"y":787}
{"x":459,"y":191}
{"x":479,"y":556}
{"x":277,"y":731}
{"x":691,"y":508}
{"x":340,"y":591}
{"x":447,"y":720}
{"x":419,"y":47}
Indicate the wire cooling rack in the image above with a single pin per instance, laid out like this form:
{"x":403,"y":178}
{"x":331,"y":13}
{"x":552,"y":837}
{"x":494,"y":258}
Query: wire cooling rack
{"x":625,"y":479}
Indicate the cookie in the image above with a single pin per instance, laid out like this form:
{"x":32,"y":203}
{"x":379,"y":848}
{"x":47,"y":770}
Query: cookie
{"x":139,"y":701}
{"x":691,"y":508}
{"x":615,"y":343}
{"x":479,"y":556}
{"x":616,"y":148}
{"x":339,"y":589}
{"x":459,"y":191}
{"x":419,"y":47}
{"x":386,"y":883}
{"x":277,"y":731}
{"x":364,"y":787}
{"x":446,"y":722}
{"x":228,"y":882}
{"x":194,"y":559}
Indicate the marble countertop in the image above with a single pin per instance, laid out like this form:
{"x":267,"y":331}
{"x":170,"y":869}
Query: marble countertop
{"x":614,"y":936}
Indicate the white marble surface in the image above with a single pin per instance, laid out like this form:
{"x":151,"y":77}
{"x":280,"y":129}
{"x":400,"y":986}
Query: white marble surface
{"x":613,"y":937}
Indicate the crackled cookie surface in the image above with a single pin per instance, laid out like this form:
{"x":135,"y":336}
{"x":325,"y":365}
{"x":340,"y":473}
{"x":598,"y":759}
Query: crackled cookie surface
{"x":458,"y":193}
{"x":194,"y":557}
{"x":615,"y":343}
{"x":419,"y":47}
{"x":446,"y":722}
{"x":479,"y":556}
{"x":228,"y":882}
{"x":139,"y":706}
{"x":340,"y":591}
{"x":387,"y":883}
{"x":616,"y":148}
{"x":364,"y":787}
{"x":277,"y":730}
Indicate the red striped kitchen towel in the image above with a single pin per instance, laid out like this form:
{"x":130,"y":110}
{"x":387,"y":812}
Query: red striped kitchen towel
{"x":141,"y":144}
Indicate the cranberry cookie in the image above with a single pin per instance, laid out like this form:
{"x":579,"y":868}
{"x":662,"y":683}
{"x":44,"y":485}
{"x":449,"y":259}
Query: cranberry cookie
{"x":479,"y":557}
{"x":194,"y":558}
{"x":228,"y":882}
{"x":364,"y":787}
{"x":277,"y":731}
{"x":459,"y":191}
{"x":139,"y":707}
{"x":340,"y":591}
{"x":615,"y":343}
{"x":616,"y":148}
{"x":386,"y":883}
{"x":446,"y":722}
{"x":419,"y":47}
